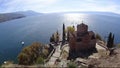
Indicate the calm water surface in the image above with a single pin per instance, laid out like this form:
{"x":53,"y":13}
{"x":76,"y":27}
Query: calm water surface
{"x":40,"y":28}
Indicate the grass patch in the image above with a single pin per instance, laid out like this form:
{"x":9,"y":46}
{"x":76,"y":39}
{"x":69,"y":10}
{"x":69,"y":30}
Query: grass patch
{"x":72,"y":65}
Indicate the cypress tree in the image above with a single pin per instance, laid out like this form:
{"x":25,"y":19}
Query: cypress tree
{"x":57,"y":37}
{"x":113,"y":40}
{"x":63,"y":34}
{"x":52,"y":39}
{"x":73,"y":26}
{"x":110,"y":42}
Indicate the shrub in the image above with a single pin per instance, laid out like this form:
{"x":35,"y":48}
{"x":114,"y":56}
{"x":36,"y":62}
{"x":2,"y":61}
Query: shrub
{"x":45,"y":53}
{"x":40,"y":60}
{"x":30,"y":53}
{"x":72,"y":65}
{"x":98,"y":37}
{"x":23,"y":59}
{"x":118,"y":45}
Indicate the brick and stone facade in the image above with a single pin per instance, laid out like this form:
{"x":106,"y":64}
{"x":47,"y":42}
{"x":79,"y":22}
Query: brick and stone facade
{"x":82,"y":39}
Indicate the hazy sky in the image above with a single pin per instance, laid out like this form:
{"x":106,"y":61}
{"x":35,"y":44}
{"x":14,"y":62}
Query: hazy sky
{"x":47,"y":6}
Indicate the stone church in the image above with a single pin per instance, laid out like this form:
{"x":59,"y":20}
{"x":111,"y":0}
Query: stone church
{"x":81,"y":41}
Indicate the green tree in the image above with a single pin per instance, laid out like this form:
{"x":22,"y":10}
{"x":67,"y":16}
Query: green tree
{"x":57,"y":37}
{"x":98,"y":37}
{"x":110,"y":41}
{"x":63,"y":34}
{"x":52,"y":39}
{"x":113,"y":40}
{"x":73,"y":26}
{"x":70,"y":29}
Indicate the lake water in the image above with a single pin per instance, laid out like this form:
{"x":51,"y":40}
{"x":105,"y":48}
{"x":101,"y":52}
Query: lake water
{"x":40,"y":28}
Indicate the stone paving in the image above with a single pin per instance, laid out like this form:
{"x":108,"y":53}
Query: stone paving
{"x":55,"y":56}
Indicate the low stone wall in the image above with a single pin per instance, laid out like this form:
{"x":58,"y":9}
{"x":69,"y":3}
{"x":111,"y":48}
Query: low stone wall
{"x":102,"y":51}
{"x":52,"y":52}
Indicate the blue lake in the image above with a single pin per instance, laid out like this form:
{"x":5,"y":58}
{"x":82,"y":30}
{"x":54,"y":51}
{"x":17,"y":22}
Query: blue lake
{"x":40,"y":28}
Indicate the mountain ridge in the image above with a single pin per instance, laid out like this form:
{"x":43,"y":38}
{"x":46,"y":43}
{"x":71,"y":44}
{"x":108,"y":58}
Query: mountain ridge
{"x":16,"y":15}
